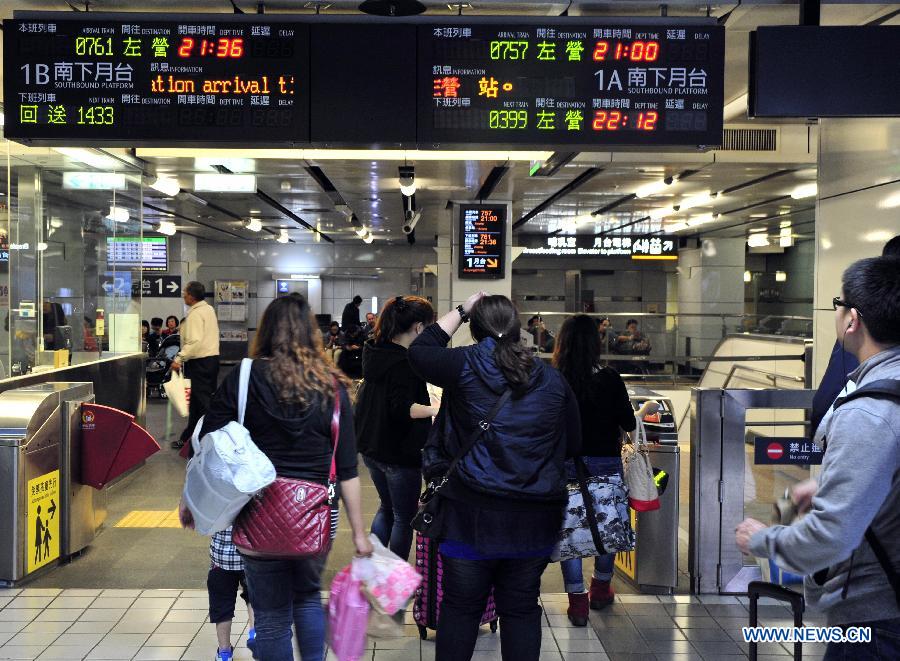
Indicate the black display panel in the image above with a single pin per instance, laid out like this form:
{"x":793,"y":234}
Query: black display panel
{"x":578,"y":83}
{"x":353,"y":105}
{"x":148,"y":253}
{"x":482,"y":244}
{"x":805,"y":71}
{"x":193,"y":79}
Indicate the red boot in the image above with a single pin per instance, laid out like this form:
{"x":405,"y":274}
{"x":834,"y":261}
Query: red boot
{"x":579,"y":609}
{"x":602,"y":594}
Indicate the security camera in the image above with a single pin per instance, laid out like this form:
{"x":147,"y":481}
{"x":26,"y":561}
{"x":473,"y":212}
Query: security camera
{"x":412,"y":217}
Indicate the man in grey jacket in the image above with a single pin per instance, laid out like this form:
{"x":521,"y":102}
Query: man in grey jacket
{"x":859,"y":485}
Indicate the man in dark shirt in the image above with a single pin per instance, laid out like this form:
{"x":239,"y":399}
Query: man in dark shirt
{"x":350,"y":316}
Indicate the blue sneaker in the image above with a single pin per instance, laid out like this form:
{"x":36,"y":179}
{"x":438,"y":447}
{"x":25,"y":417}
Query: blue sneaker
{"x":251,"y":642}
{"x":224,"y":655}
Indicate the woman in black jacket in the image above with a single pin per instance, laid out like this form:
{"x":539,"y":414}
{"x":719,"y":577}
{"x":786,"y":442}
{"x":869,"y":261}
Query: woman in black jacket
{"x":502,"y":509}
{"x":605,"y":410}
{"x":393,"y":418}
{"x":290,"y":401}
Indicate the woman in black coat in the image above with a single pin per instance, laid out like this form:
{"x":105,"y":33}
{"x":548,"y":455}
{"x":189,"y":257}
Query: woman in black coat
{"x":502,"y":509}
{"x":393,"y":418}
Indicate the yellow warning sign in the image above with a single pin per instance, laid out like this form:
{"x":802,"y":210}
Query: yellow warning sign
{"x":626,"y":561}
{"x":43,"y":520}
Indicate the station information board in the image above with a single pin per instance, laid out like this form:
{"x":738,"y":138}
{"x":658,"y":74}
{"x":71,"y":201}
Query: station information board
{"x":148,"y":253}
{"x":586,"y":84}
{"x":195,"y":79}
{"x":482,"y":233}
{"x":634,"y":246}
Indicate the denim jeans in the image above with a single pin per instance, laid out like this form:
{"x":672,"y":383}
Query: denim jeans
{"x":398,"y":488}
{"x":573,"y":576}
{"x":285,"y":593}
{"x":885,"y":644}
{"x":467,"y":584}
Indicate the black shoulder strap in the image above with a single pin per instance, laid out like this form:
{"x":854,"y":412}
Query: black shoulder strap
{"x":889,"y":388}
{"x":885,"y":562}
{"x":483,"y":425}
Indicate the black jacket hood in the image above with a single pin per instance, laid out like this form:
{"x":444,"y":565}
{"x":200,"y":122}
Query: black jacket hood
{"x":378,"y":359}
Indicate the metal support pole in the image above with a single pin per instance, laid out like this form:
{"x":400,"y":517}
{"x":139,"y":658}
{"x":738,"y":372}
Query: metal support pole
{"x":810,"y":12}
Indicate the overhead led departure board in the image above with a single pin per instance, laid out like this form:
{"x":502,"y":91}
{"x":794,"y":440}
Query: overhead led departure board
{"x":198,"y":79}
{"x":597,"y":84}
{"x":482,"y":232}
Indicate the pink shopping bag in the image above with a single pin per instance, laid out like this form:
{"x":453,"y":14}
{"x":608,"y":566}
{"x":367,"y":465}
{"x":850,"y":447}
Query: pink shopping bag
{"x":348,"y":617}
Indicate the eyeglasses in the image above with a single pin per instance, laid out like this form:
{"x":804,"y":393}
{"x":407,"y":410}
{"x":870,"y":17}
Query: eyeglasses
{"x":836,"y":302}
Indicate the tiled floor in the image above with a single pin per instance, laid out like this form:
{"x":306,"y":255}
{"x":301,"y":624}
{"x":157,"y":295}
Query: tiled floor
{"x":43,"y":623}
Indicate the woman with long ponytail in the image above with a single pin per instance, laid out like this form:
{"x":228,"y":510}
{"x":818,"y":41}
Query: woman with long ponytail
{"x":393,"y":418}
{"x":501,"y":509}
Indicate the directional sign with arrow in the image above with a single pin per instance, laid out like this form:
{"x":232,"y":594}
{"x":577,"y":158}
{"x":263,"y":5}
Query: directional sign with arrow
{"x":161,"y":286}
{"x":52,"y":509}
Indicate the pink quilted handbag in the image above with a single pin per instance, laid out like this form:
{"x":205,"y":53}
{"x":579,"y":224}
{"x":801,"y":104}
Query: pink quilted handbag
{"x":291,"y":518}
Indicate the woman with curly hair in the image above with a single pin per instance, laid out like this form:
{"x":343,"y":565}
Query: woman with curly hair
{"x":289,"y":408}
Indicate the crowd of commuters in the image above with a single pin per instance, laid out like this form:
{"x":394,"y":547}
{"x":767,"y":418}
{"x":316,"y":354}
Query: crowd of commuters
{"x":502,"y":507}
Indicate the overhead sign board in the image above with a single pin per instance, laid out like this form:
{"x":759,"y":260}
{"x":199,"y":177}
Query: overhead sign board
{"x":634,"y":246}
{"x":788,"y":79}
{"x":196,"y":78}
{"x":597,"y":83}
{"x":482,"y":242}
{"x":141,"y":79}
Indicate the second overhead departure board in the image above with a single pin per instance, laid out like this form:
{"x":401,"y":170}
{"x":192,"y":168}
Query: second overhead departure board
{"x":597,"y":84}
{"x":197,"y":79}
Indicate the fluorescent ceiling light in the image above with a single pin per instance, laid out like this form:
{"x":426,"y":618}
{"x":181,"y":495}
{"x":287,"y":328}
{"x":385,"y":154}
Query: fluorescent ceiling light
{"x":93,"y":181}
{"x":677,"y":227}
{"x":166,"y":227}
{"x":700,"y":199}
{"x":254,"y":224}
{"x":41,"y":246}
{"x":225,"y":183}
{"x":654,"y":187}
{"x":233,"y":163}
{"x":166,"y":185}
{"x":282,"y":237}
{"x":758,"y":241}
{"x":660,"y":212}
{"x":805,"y":190}
{"x":780,"y":276}
{"x":584,"y":218}
{"x":88,"y":157}
{"x":347,"y":154}
{"x":368,"y":239}
{"x":748,"y":277}
{"x":408,"y":189}
{"x":700,"y":220}
{"x":785,"y":238}
{"x":118,"y":214}
{"x":890,"y":202}
{"x":361,"y":231}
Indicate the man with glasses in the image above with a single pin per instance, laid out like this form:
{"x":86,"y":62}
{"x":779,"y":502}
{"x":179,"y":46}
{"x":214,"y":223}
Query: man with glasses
{"x":848,"y":542}
{"x":834,"y":381}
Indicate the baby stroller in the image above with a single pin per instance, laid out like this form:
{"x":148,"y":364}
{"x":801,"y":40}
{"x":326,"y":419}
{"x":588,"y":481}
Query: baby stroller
{"x":158,"y":366}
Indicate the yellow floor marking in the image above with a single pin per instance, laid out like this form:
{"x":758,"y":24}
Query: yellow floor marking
{"x":150,"y":519}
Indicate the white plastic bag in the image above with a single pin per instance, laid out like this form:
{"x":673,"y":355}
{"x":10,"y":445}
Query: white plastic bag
{"x":643,"y":496}
{"x":226,"y":471}
{"x":177,"y":390}
{"x":388,"y":581}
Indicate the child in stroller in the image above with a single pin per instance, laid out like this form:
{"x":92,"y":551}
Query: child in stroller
{"x":158,"y":366}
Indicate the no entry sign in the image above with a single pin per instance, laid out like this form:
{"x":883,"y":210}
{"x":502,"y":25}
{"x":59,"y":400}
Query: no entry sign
{"x":797,"y":451}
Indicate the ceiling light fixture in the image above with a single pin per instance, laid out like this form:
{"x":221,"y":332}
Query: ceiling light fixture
{"x":407,"y":180}
{"x":368,"y":239}
{"x":785,"y":237}
{"x":758,"y":240}
{"x":660,"y":212}
{"x":87,"y":157}
{"x":166,"y":185}
{"x":654,"y":187}
{"x":166,"y":227}
{"x":677,"y":227}
{"x":118,"y":214}
{"x":805,"y":190}
{"x":701,"y":219}
{"x":253,"y":224}
{"x":700,"y":199}
{"x":748,"y":277}
{"x":780,"y":276}
{"x":282,"y":237}
{"x":392,"y":7}
{"x":225,"y":183}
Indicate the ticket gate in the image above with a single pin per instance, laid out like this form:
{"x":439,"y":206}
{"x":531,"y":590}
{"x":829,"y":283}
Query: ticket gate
{"x":54,"y":459}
